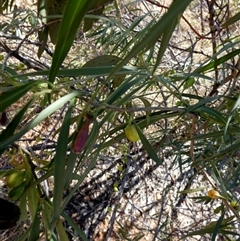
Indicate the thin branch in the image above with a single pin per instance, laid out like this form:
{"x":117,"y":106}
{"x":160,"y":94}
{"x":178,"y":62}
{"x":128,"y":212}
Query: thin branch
{"x":185,"y":19}
{"x":29,"y":63}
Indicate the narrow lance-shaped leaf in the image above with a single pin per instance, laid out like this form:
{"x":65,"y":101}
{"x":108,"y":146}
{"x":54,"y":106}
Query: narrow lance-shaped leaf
{"x":35,"y":228}
{"x":148,"y":147}
{"x":73,"y":14}
{"x":9,"y":97}
{"x":83,"y":71}
{"x":75,"y":227}
{"x":234,"y":109}
{"x":41,"y":116}
{"x":216,"y":62}
{"x":60,"y":163}
{"x":232,"y":20}
{"x":153,"y":35}
{"x":61,"y":231}
{"x":94,"y":8}
{"x":15,"y":122}
{"x":164,"y":42}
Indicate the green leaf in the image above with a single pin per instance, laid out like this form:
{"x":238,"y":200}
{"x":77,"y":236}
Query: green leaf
{"x":188,"y":83}
{"x":60,"y":163}
{"x":35,"y":229}
{"x":9,"y":97}
{"x":103,"y":60}
{"x":41,"y":116}
{"x":33,"y":200}
{"x":234,"y":109}
{"x":46,"y":214}
{"x":156,"y":31}
{"x":71,"y":163}
{"x":213,"y":64}
{"x":91,"y":71}
{"x":73,"y":14}
{"x":16,"y":192}
{"x":167,"y":33}
{"x":61,"y":231}
{"x":42,"y":37}
{"x":94,"y":8}
{"x":217,"y":116}
{"x":76,"y":228}
{"x":122,"y":89}
{"x":200,"y":108}
{"x":23,"y":207}
{"x":193,"y":190}
{"x":211,"y":226}
{"x":42,"y":6}
{"x":217,"y":134}
{"x":232,"y":20}
{"x":218,"y":225}
{"x":106,"y":61}
{"x":24,"y":237}
{"x":146,"y":104}
{"x":88,"y":22}
{"x":91,"y":164}
{"x":147,"y":146}
{"x":9,"y":73}
{"x":15,"y":122}
{"x":142,"y":123}
{"x":53,"y":30}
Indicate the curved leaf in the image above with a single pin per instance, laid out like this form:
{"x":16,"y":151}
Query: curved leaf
{"x":73,"y":14}
{"x":9,"y":97}
{"x":41,"y":116}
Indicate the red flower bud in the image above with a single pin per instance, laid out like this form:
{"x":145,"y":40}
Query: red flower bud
{"x":82,"y":135}
{"x":3,"y":118}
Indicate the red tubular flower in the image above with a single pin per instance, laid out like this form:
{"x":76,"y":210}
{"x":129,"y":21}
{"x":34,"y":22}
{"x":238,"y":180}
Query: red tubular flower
{"x":3,"y":118}
{"x":82,"y":135}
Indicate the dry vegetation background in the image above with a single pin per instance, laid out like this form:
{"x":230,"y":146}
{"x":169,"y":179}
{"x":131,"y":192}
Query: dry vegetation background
{"x":127,"y":196}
